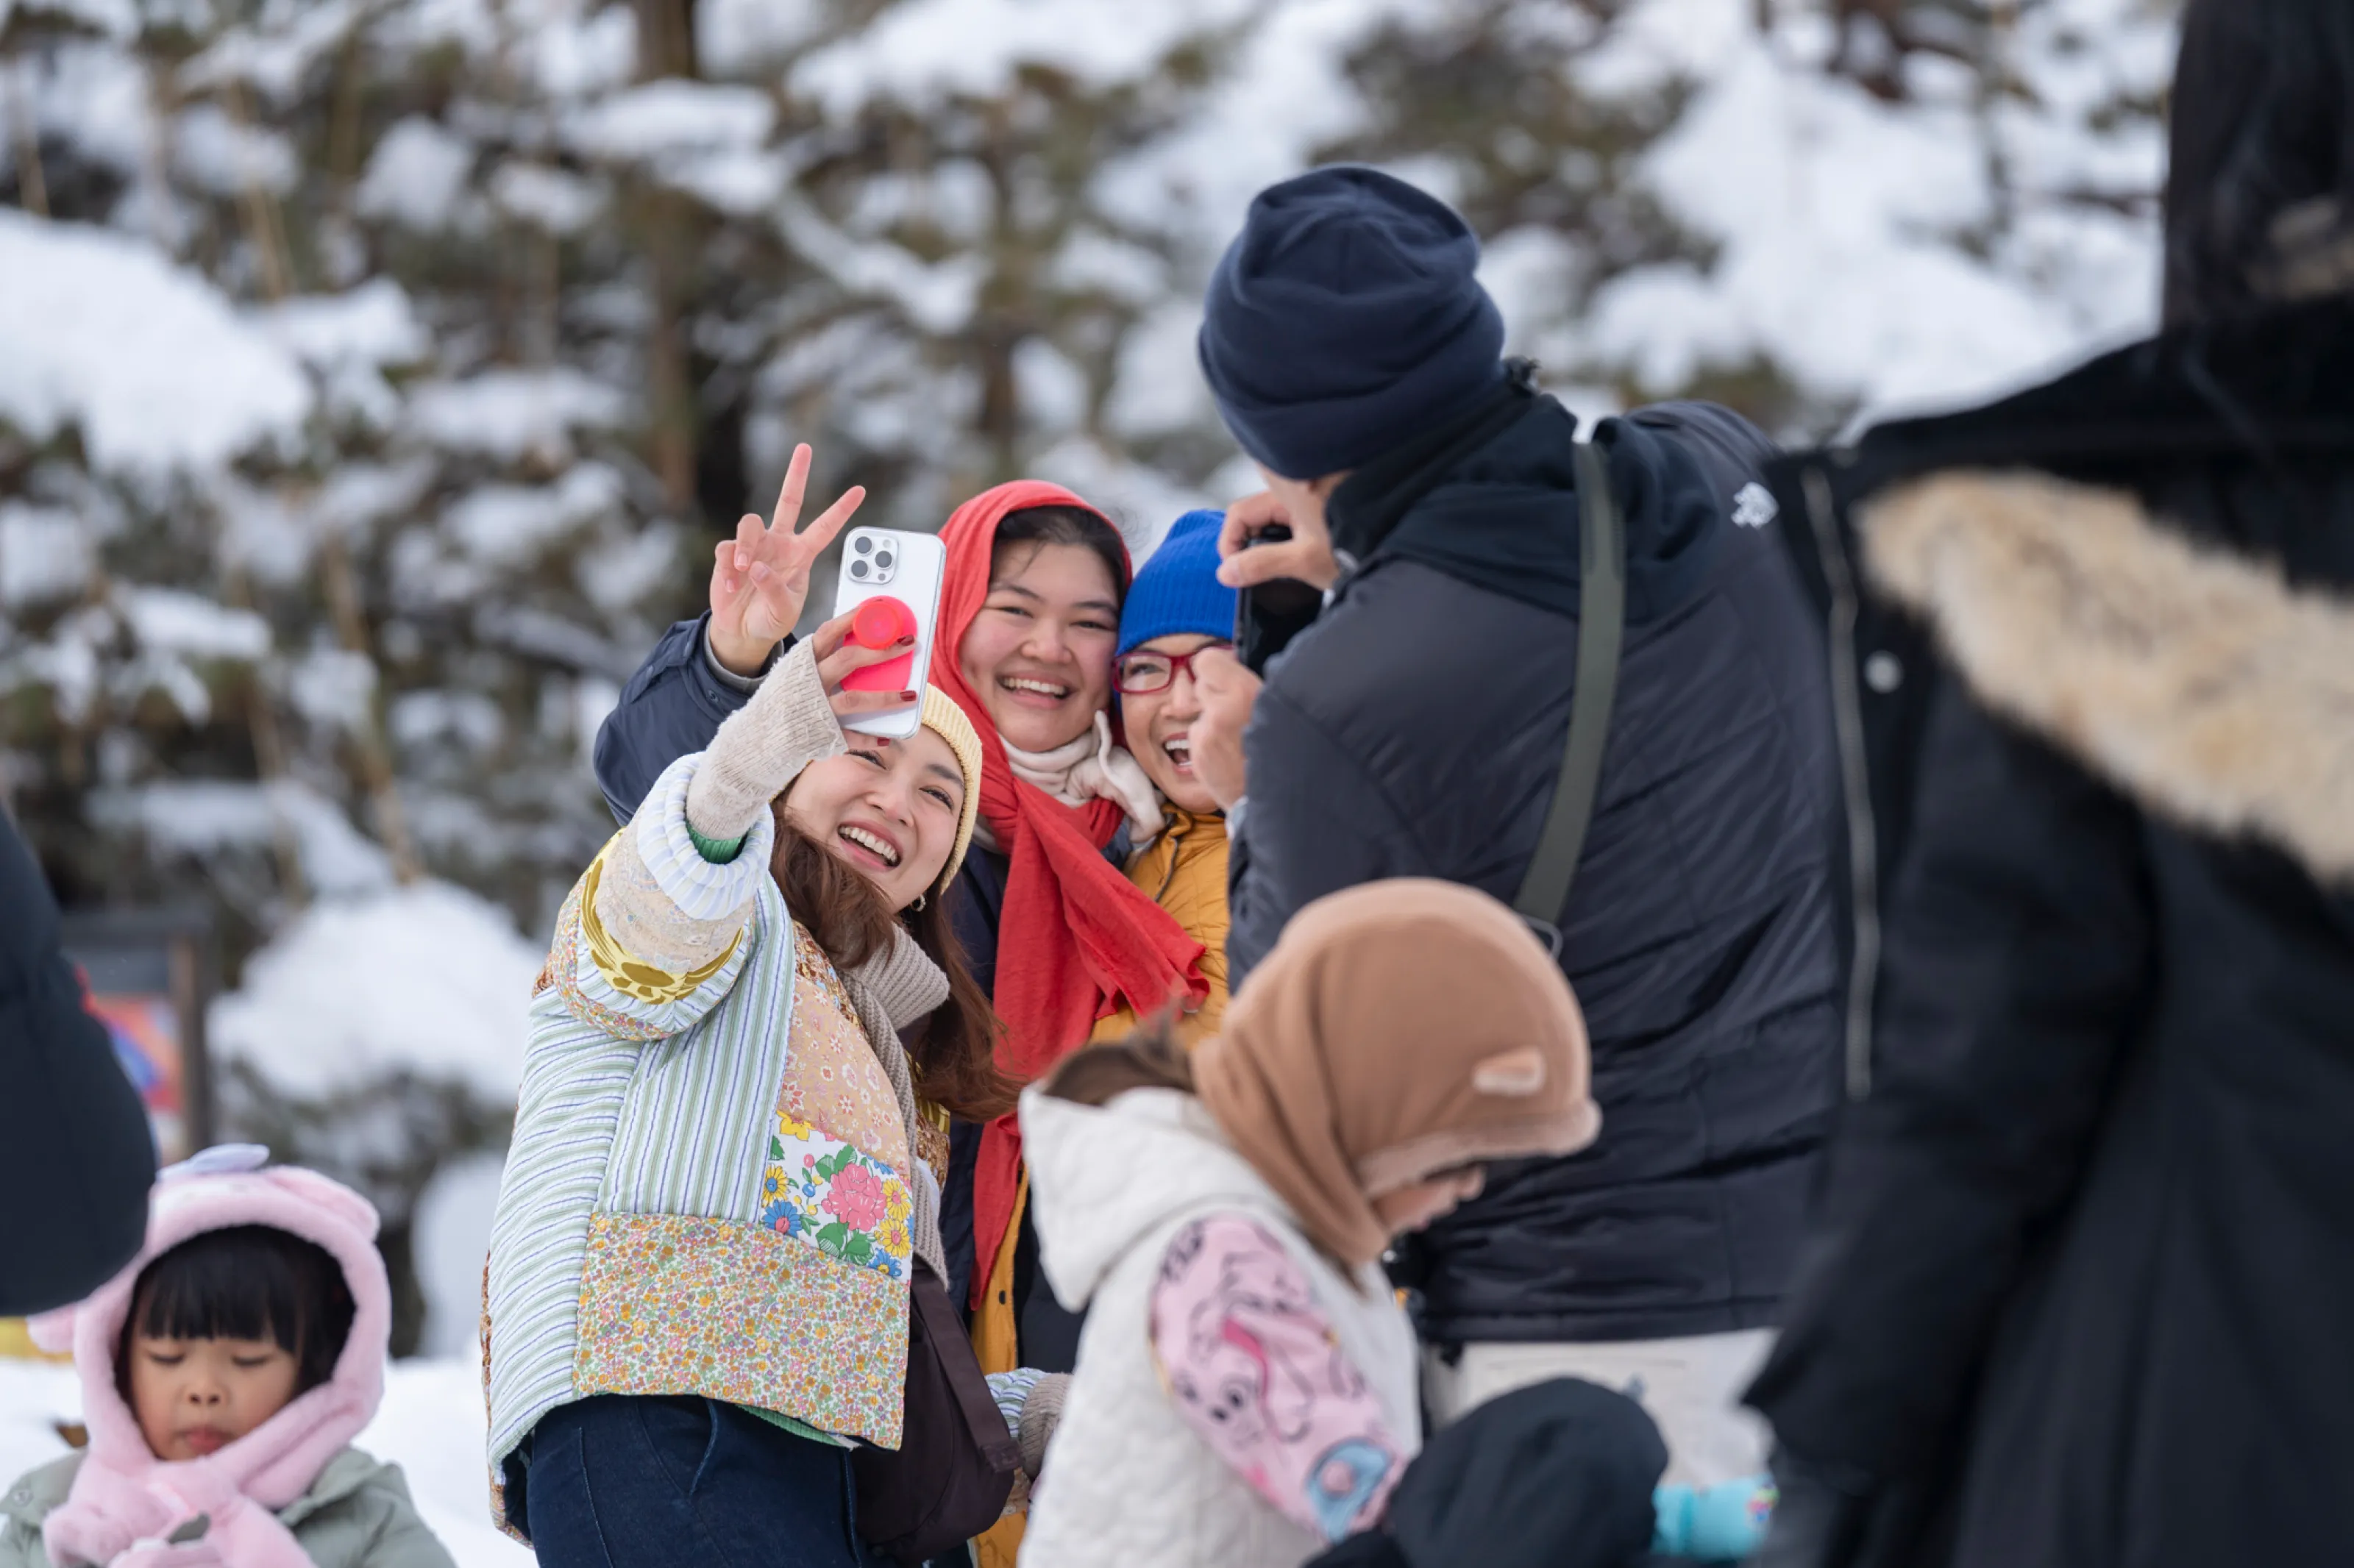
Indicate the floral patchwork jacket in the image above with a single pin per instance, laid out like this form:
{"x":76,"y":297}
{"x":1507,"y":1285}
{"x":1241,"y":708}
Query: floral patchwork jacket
{"x":710,"y":1189}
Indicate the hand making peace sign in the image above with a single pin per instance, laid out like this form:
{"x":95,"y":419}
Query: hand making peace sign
{"x":760,"y":578}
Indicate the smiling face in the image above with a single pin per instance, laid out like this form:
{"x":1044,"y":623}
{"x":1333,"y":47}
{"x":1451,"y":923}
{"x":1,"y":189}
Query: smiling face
{"x":1160,"y":724}
{"x":194,"y":1397}
{"x":1038,"y":652}
{"x":888,"y":808}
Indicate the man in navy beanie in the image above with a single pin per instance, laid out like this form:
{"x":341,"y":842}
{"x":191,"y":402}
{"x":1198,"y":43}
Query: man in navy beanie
{"x":1415,"y":724}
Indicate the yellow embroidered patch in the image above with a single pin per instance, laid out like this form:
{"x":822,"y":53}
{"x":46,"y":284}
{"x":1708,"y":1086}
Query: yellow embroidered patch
{"x":633,"y":977}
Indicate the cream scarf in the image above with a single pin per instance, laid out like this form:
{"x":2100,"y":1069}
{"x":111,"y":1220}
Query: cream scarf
{"x":1090,"y":767}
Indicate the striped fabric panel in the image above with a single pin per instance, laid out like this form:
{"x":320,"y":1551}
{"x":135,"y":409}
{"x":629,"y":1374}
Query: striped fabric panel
{"x":701,"y":890}
{"x":633,"y":1108}
{"x":693,"y":1140}
{"x":576,"y":1078}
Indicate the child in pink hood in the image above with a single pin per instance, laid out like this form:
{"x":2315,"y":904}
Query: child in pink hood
{"x":225,"y":1371}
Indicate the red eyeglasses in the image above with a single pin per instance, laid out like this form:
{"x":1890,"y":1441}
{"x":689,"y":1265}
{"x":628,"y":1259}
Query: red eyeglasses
{"x":1141,"y":675}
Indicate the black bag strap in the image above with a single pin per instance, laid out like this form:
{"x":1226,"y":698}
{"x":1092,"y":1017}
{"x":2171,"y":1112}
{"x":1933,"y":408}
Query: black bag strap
{"x":1601,"y":629}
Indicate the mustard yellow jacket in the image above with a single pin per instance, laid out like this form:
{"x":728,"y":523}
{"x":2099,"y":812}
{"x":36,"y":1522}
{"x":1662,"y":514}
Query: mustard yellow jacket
{"x":1185,"y":871}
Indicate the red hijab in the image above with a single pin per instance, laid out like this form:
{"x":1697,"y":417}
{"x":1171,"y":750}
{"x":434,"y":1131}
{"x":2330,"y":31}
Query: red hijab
{"x":1076,"y":939}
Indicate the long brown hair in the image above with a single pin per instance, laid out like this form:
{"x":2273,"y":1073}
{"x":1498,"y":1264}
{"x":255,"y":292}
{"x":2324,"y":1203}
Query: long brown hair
{"x":1148,"y":1059}
{"x":955,"y":1049}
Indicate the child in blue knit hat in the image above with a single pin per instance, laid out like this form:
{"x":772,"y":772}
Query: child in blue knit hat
{"x":1175,"y":608}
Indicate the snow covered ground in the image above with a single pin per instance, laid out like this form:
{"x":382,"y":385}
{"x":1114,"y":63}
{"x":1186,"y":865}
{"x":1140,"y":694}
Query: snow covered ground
{"x":431,"y":1425}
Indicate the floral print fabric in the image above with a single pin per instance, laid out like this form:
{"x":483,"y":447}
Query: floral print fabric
{"x":847,"y":1205}
{"x":1255,"y":1368}
{"x":672,"y":1305}
{"x":837,"y":1167}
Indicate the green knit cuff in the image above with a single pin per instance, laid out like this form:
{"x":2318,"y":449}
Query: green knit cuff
{"x":716,"y":851}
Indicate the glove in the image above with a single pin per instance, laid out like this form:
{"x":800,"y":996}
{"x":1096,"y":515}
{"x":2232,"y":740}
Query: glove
{"x":763,"y":747}
{"x":1041,"y":1413}
{"x":1031,"y":1403}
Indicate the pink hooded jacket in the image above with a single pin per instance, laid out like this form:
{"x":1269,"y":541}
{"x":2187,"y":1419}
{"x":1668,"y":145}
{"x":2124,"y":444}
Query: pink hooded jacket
{"x":123,"y":1495}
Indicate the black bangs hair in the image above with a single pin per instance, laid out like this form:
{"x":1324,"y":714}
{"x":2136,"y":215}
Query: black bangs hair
{"x":247,"y":1282}
{"x":1041,"y":525}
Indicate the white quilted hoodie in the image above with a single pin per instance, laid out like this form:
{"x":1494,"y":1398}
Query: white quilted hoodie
{"x":1125,"y":1479}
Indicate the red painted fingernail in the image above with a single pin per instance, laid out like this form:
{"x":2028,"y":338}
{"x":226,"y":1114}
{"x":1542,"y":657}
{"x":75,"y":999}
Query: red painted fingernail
{"x":905,"y":642}
{"x":906,"y":696}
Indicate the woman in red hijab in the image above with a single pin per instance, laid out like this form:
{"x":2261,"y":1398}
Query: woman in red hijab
{"x":1029,"y":619}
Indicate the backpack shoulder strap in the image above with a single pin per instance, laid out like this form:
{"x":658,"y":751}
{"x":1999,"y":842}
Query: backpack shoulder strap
{"x":1601,"y":629}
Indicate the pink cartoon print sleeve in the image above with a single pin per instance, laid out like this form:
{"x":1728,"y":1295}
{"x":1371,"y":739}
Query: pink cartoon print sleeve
{"x":1255,"y":1368}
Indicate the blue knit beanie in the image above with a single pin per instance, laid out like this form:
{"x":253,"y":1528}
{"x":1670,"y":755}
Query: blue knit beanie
{"x":1345,"y":319}
{"x":1177,"y":590}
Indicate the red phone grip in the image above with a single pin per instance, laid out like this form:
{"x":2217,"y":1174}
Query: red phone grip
{"x":880,"y":623}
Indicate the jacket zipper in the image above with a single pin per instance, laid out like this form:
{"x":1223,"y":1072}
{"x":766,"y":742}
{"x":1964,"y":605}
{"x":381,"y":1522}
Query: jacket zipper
{"x":1855,"y":782}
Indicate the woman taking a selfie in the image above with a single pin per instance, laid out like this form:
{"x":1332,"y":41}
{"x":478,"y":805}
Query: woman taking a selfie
{"x":716,"y":1205}
{"x":1029,"y":619}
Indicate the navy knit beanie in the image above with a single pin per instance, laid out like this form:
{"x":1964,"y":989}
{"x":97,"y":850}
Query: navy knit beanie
{"x":1345,"y":319}
{"x":1177,"y":590}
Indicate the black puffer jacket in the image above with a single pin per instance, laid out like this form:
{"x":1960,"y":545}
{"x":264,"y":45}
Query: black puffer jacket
{"x":2081,"y":1295}
{"x":74,"y":1144}
{"x":1416,"y":730}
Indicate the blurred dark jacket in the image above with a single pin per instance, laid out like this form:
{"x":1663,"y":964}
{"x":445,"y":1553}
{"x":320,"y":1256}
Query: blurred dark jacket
{"x":2081,"y":1293}
{"x":1417,"y":729}
{"x":74,"y":1151}
{"x":1556,"y":1475}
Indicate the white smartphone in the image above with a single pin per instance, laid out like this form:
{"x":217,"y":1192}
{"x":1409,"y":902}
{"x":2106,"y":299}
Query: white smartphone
{"x":885,"y":564}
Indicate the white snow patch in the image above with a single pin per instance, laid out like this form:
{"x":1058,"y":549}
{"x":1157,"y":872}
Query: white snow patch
{"x":416,"y":175}
{"x":373,"y":324}
{"x":173,"y":621}
{"x":937,"y":296}
{"x":147,"y":359}
{"x":451,"y":1243}
{"x":333,"y":687}
{"x":743,"y":182}
{"x":45,"y":553}
{"x":558,"y":202}
{"x":737,"y":38}
{"x":1158,"y":385}
{"x":576,"y":50}
{"x":622,"y":572}
{"x":512,"y":414}
{"x":929,"y":49}
{"x":429,"y":978}
{"x":228,"y":159}
{"x":670,"y":117}
{"x":210,"y":816}
{"x":1141,"y":501}
{"x":506,"y":525}
{"x":277,"y":60}
{"x":1840,"y":218}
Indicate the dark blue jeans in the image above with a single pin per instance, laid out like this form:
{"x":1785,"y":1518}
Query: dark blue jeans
{"x":621,"y":1481}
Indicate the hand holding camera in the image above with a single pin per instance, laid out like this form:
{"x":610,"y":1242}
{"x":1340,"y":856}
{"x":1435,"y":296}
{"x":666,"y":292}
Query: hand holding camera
{"x":1228,"y":691}
{"x":1265,"y":543}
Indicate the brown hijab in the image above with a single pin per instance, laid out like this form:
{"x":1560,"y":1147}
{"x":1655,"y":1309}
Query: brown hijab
{"x":1398,"y":1029}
